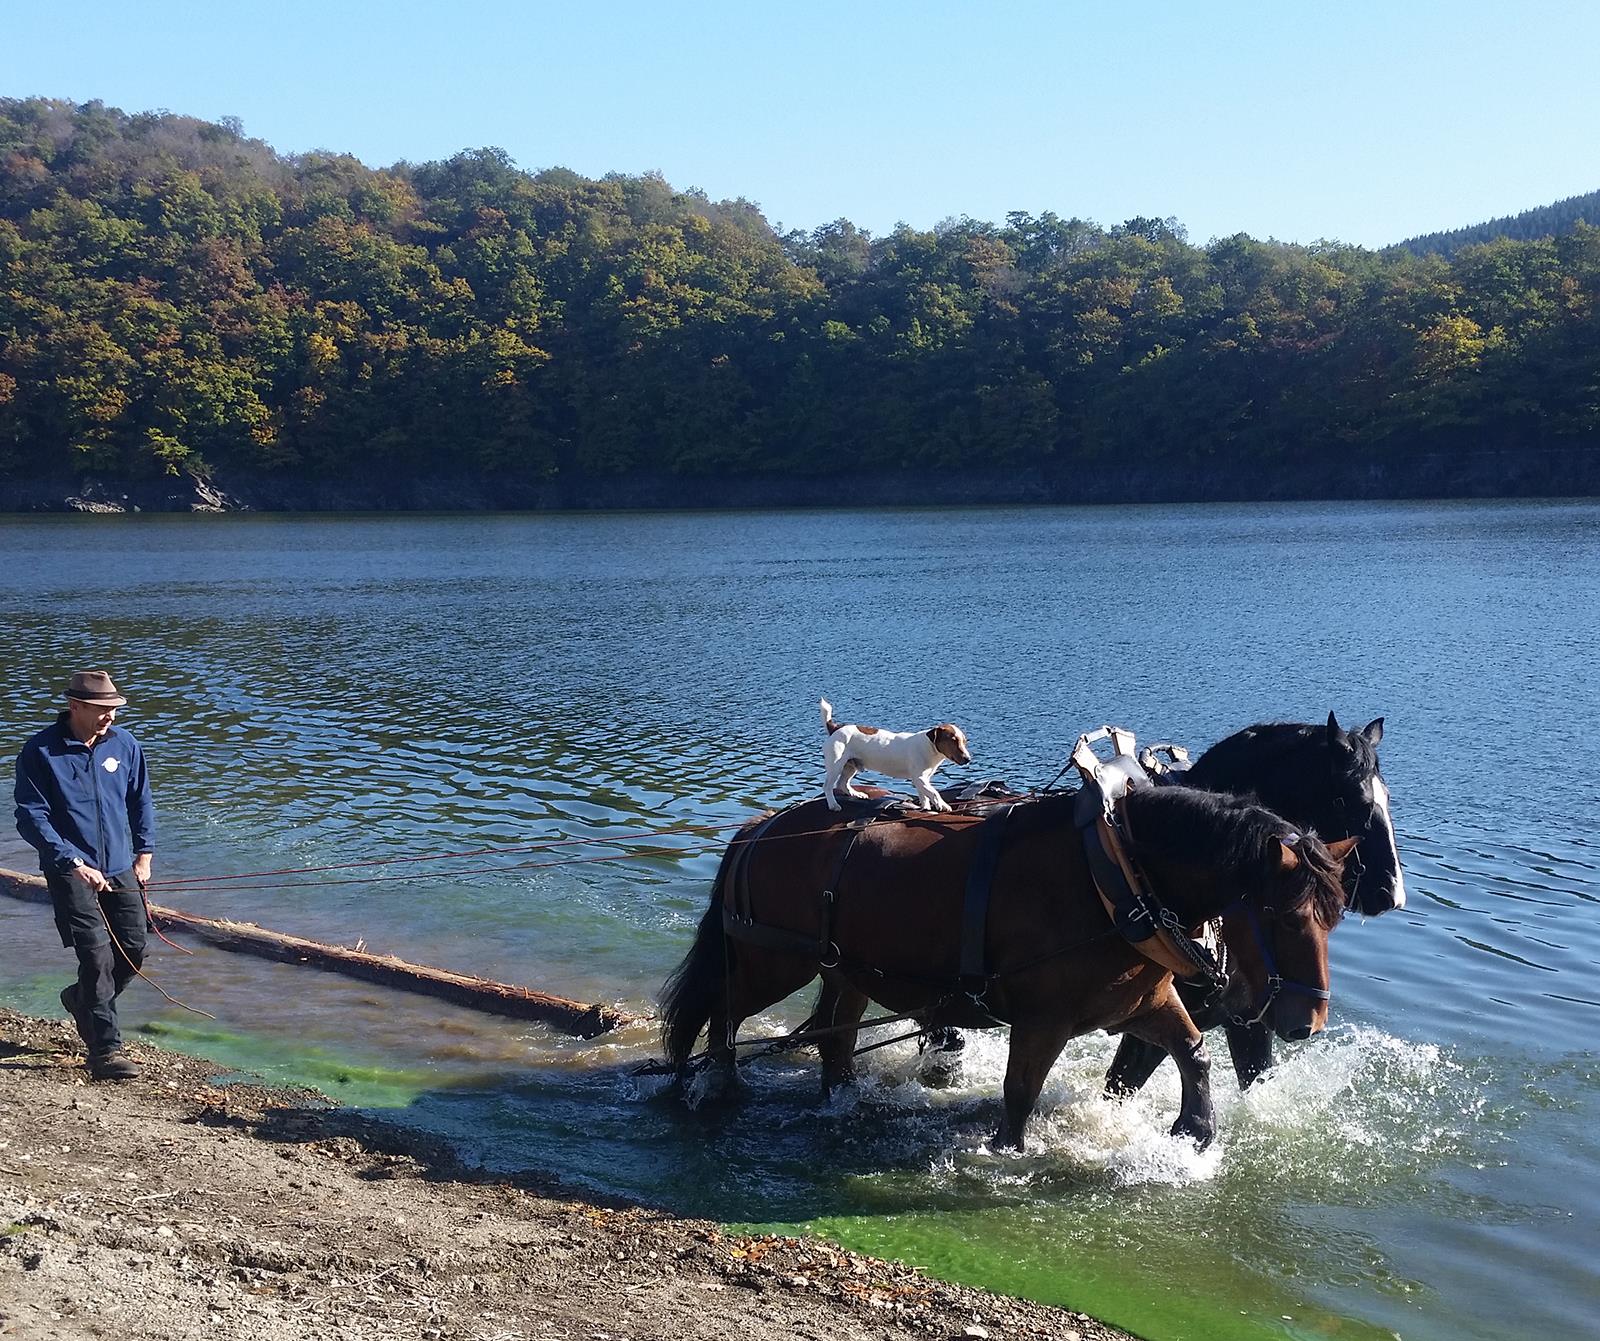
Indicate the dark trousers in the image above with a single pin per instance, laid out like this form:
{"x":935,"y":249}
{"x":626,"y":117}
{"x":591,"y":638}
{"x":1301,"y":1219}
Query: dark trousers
{"x":107,"y":932}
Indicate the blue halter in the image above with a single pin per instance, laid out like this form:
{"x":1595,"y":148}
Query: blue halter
{"x":1276,"y":982}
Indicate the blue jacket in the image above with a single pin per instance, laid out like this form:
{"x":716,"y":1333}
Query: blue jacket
{"x":90,"y":804}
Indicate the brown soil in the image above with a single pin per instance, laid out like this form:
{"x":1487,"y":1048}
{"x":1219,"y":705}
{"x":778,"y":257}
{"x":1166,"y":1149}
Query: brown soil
{"x":174,"y":1207}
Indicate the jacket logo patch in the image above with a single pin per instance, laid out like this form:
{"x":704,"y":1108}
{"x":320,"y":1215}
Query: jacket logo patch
{"x":110,"y":765}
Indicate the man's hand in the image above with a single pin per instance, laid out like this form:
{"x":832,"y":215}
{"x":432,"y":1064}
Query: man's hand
{"x":91,"y":877}
{"x":141,"y":867}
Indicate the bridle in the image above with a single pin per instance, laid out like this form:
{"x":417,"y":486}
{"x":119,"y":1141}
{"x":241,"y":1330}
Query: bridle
{"x":1353,"y":861}
{"x":1277,"y":983}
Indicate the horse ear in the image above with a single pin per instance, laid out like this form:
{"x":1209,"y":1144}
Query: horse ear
{"x":1343,"y":848}
{"x":1335,"y":731}
{"x":1373,"y":731}
{"x":1288,"y":858}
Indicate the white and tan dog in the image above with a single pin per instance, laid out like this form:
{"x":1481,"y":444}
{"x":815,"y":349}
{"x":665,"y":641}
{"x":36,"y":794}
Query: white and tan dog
{"x":912,"y":755}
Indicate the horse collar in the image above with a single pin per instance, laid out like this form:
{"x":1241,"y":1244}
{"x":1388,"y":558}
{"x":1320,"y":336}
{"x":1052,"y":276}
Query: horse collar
{"x":1142,"y":920}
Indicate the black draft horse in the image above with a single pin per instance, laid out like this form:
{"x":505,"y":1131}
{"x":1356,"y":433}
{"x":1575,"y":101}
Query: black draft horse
{"x":1056,"y":968}
{"x":1326,"y":779}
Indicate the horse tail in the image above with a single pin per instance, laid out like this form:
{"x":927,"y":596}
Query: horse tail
{"x":691,"y":992}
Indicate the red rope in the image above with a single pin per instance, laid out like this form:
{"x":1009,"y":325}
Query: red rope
{"x":470,"y":870}
{"x":193,"y":881}
{"x":150,"y":922}
{"x":213,"y":881}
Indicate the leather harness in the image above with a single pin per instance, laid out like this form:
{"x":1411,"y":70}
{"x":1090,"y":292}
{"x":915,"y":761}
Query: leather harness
{"x":738,"y":913}
{"x":1101,"y":816}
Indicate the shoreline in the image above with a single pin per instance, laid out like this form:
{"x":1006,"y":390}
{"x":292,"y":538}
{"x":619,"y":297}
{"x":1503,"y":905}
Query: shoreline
{"x":1473,"y":470}
{"x":192,"y":1203}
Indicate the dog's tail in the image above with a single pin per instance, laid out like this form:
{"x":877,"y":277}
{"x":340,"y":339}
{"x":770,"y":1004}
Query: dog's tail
{"x":828,"y":724}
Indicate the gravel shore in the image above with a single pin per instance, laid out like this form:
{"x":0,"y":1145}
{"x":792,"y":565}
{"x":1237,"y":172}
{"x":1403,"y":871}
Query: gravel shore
{"x":175,"y":1207}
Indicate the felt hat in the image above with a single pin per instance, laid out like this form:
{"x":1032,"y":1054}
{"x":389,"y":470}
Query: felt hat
{"x":94,"y":686}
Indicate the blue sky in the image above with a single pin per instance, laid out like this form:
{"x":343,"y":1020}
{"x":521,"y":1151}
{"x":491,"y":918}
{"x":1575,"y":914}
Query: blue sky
{"x":1360,"y":121}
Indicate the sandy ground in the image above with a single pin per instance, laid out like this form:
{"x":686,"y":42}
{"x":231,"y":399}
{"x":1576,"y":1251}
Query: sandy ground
{"x":173,"y":1207}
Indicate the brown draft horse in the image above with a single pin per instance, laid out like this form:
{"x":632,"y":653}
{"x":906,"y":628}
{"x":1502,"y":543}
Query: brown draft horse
{"x":1056,"y":968}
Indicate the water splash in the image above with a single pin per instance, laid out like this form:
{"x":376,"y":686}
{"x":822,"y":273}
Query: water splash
{"x":1356,"y":1109}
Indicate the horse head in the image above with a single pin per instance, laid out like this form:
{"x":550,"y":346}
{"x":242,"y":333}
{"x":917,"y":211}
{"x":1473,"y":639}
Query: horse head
{"x":1277,"y":937}
{"x":1357,"y":805}
{"x":1278,"y":890}
{"x":1323,"y":778}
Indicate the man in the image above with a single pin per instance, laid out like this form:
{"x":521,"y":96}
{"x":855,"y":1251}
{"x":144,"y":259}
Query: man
{"x":83,"y":802}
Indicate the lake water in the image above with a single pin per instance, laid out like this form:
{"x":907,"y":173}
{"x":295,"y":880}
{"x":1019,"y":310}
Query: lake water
{"x":316,"y":690}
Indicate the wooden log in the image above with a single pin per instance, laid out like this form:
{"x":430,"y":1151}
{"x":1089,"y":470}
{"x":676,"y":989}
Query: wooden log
{"x":495,"y":998}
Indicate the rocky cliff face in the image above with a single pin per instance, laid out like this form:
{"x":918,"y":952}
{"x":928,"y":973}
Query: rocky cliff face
{"x":182,"y":493}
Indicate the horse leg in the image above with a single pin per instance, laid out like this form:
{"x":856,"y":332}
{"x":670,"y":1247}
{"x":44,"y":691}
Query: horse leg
{"x":1250,"y":1046}
{"x":1168,"y":1025}
{"x":1034,"y":1049}
{"x":839,"y":1003}
{"x":1135,"y":1063}
{"x":755,"y":981}
{"x":722,"y":1058}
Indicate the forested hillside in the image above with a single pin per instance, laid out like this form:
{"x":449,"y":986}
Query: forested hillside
{"x":177,"y":297}
{"x":1545,"y":221}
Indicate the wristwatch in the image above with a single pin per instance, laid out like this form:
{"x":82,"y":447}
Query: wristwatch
{"x":74,"y":863}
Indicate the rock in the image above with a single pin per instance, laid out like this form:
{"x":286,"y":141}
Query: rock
{"x":208,"y":498}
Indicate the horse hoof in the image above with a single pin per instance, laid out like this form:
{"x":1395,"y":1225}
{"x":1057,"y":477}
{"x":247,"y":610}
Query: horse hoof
{"x":940,"y":1064}
{"x":1201,"y":1133}
{"x":712,"y":1088}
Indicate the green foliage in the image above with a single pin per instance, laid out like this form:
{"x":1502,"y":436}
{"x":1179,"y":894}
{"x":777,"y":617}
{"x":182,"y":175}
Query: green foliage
{"x":177,"y":297}
{"x":1531,"y":225}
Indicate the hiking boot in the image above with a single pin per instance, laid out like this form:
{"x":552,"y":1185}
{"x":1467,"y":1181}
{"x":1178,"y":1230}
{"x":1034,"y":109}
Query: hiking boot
{"x":113,"y":1065}
{"x":80,"y":1017}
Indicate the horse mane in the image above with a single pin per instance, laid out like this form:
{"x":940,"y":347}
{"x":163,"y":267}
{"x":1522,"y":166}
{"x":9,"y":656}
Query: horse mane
{"x":1268,"y":743}
{"x":1325,"y":878}
{"x":1237,"y":835}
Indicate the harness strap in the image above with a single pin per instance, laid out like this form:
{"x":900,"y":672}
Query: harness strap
{"x":768,"y":938}
{"x":827,"y":951}
{"x":738,"y":912}
{"x":736,"y":894}
{"x":975,"y":908}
